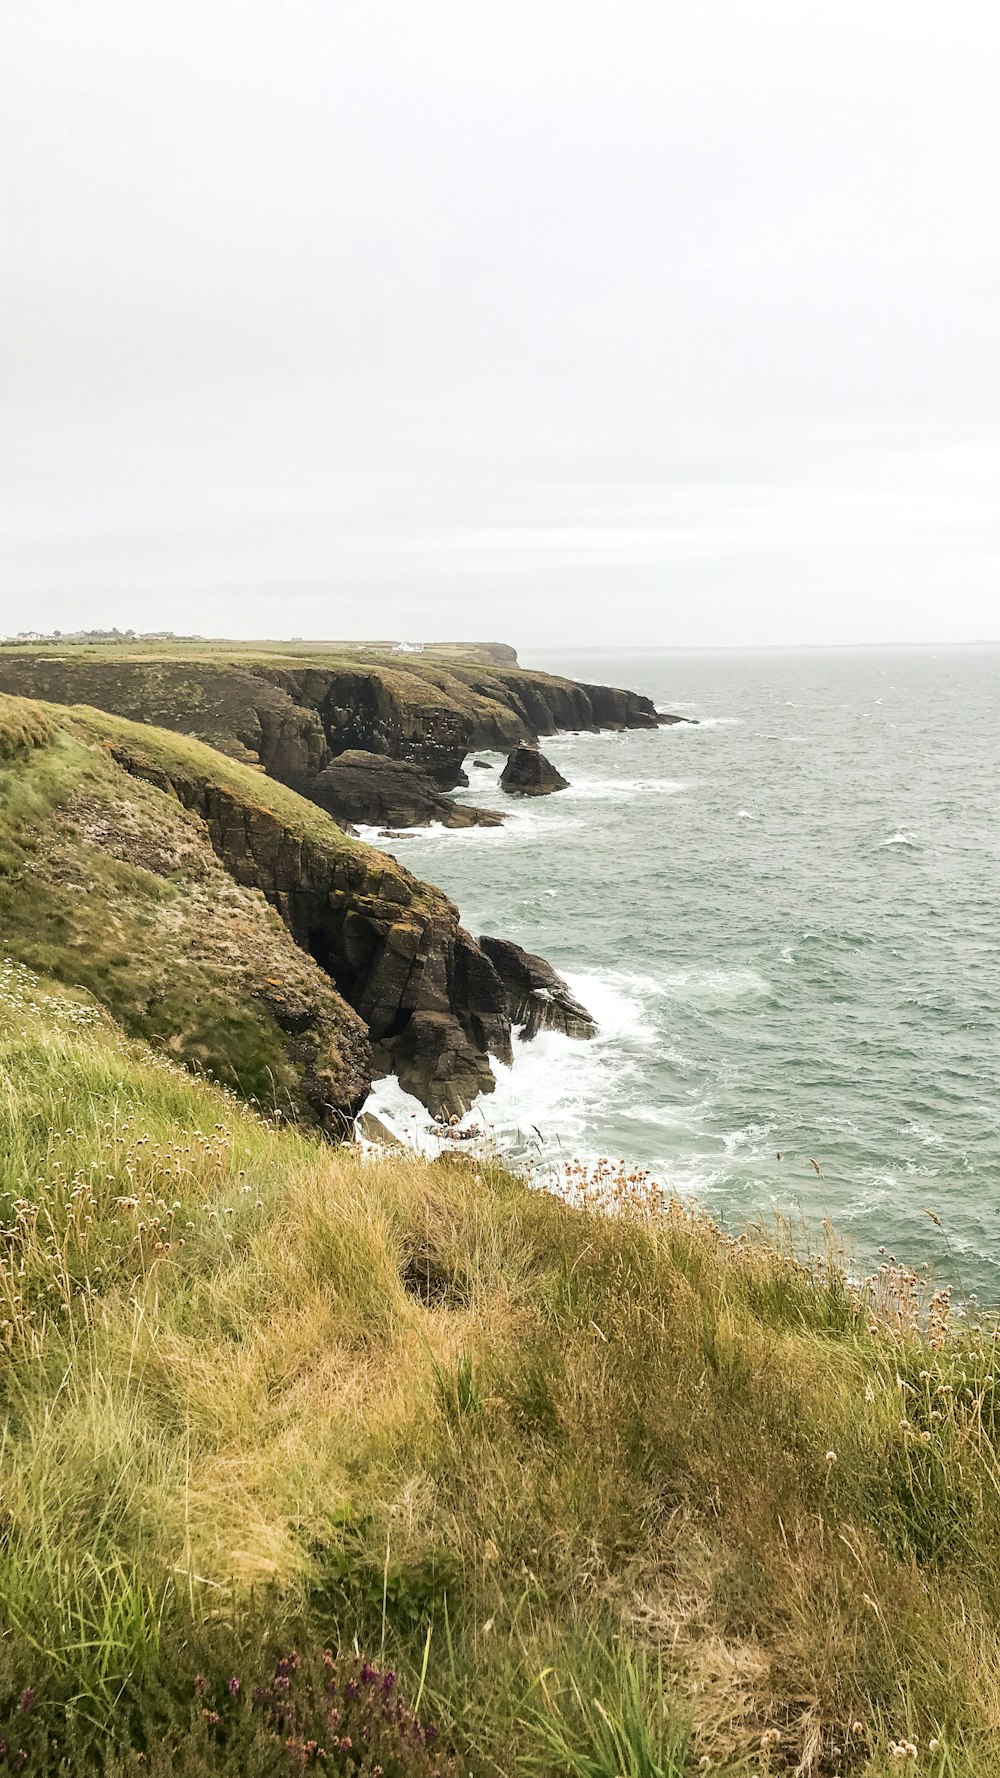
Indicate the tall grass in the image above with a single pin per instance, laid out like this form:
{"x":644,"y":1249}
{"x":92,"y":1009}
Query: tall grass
{"x":612,"y":1492}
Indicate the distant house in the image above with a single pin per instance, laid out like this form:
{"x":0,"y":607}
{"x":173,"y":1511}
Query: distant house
{"x":409,"y":648}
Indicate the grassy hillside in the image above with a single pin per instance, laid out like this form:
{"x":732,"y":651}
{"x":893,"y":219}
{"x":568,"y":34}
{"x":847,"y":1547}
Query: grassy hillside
{"x":299,"y":1448}
{"x":224,"y":916}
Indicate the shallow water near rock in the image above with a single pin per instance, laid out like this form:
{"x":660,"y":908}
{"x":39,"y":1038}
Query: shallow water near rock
{"x":787,"y":923}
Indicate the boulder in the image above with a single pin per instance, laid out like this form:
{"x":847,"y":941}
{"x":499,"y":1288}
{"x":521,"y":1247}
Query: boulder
{"x":529,"y":773}
{"x":482,"y":765}
{"x":369,"y":1127}
{"x":434,"y":1059}
{"x":384,"y":792}
{"x":537,"y":997}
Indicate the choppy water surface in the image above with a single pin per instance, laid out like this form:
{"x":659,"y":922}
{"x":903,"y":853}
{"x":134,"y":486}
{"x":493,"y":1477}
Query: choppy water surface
{"x":787,"y":921}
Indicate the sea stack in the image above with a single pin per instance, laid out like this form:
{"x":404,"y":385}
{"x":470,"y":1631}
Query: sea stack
{"x":529,"y":773}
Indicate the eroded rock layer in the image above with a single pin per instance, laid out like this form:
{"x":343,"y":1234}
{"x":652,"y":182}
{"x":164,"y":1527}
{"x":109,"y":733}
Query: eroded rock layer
{"x":537,"y":997}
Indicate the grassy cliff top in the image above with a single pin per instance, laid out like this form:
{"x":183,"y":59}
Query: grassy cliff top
{"x":436,"y":663}
{"x":298,"y":652}
{"x":181,"y":756}
{"x":608,"y":1491}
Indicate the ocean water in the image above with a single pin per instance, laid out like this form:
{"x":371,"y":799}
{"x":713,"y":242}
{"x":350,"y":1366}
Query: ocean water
{"x":787,"y":922}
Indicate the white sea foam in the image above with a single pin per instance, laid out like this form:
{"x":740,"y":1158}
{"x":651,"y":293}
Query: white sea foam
{"x":520,"y":824}
{"x":690,"y":728}
{"x":621,"y":789}
{"x":749,"y":1137}
{"x":902,"y":837}
{"x":544,"y":1104}
{"x":698,"y":984}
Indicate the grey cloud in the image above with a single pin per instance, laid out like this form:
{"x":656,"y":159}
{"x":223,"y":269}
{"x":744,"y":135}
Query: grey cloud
{"x":657,"y":321}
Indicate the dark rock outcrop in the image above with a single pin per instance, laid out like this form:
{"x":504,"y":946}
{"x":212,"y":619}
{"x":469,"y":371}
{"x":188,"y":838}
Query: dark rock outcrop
{"x":529,"y":773}
{"x":537,"y":997}
{"x":373,"y":789}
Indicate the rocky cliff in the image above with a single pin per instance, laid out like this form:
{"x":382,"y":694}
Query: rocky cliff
{"x":294,"y":711}
{"x":432,"y":1003}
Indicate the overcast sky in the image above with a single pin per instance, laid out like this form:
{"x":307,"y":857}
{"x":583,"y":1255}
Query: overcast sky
{"x":563,"y":320}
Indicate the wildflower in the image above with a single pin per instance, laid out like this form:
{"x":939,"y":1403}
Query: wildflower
{"x":234,"y":1687}
{"x":831,"y":1456}
{"x":368,"y":1673}
{"x":933,"y":1745}
{"x":351,"y":1690}
{"x":769,"y":1739}
{"x":857,"y":1728}
{"x":282,"y":1682}
{"x":27,"y":1698}
{"x":200,"y":1685}
{"x":388,"y":1682}
{"x":212,"y":1717}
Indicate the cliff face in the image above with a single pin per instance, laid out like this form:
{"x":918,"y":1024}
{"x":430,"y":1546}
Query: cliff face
{"x":293,"y":714}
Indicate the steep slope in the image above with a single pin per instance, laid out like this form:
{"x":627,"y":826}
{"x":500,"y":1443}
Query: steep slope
{"x":109,"y":884}
{"x":139,"y":862}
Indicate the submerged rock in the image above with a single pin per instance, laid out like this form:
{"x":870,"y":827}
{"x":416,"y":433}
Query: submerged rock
{"x":529,"y":773}
{"x":537,"y":997}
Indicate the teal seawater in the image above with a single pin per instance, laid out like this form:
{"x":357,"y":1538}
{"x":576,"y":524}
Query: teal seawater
{"x":787,"y":921}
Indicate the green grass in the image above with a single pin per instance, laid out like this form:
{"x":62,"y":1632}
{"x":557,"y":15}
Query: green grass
{"x":613,"y":1493}
{"x":23,"y":726}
